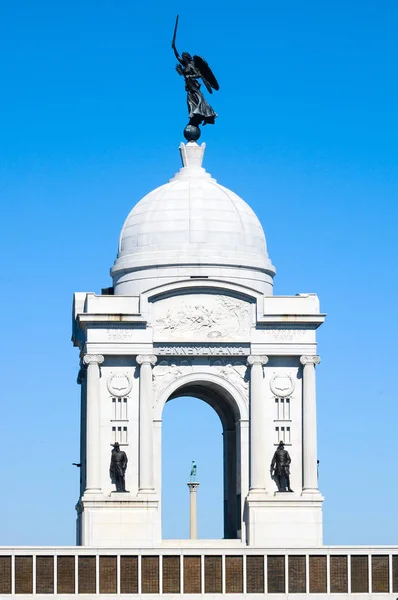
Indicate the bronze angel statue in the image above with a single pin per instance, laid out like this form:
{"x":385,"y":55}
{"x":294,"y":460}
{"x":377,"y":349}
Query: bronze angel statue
{"x":192,"y":69}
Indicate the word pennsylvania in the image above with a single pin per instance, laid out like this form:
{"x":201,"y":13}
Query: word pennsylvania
{"x":208,"y":350}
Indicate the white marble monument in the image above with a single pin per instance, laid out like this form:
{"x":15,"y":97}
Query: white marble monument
{"x":193,"y":313}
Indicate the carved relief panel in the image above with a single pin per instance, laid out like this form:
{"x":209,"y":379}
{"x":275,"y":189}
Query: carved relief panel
{"x":169,"y":370}
{"x":234,"y":371}
{"x":203,"y":317}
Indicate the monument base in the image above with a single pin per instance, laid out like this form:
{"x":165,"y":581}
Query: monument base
{"x":285,"y":520}
{"x":121,"y":520}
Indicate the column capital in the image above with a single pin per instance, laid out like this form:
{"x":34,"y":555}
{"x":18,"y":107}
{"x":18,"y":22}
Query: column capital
{"x":193,"y":485}
{"x":147,"y":359}
{"x":310,"y":360}
{"x":255,"y":359}
{"x":91,"y":359}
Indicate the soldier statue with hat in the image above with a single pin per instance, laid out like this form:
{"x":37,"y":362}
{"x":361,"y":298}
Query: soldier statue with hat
{"x":118,"y":467}
{"x":280,"y":468}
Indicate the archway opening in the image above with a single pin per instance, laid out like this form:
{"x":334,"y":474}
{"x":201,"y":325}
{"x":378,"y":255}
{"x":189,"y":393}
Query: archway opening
{"x":215,"y":442}
{"x":191,"y":431}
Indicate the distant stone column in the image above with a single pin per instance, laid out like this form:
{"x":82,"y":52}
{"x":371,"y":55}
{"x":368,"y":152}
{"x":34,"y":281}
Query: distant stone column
{"x":310,"y":483}
{"x":93,"y":475}
{"x":258,"y":442}
{"x":193,"y":519}
{"x":145,"y":473}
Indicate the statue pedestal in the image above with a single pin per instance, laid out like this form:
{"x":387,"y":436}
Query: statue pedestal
{"x":284,"y":520}
{"x":121,"y":519}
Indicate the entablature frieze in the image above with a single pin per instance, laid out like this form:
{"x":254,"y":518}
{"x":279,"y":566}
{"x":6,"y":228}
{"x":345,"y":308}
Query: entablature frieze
{"x":123,"y":333}
{"x":199,"y":350}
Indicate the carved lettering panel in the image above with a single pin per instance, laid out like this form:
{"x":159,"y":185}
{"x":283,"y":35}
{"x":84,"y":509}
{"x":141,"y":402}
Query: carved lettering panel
{"x":286,"y":333}
{"x":202,"y":349}
{"x":116,"y":333}
{"x":202,"y":317}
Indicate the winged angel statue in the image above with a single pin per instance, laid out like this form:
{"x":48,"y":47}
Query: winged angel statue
{"x":193,"y":69}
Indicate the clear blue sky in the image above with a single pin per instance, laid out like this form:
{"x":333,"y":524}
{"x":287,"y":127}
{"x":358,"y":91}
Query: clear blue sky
{"x":91,"y":115}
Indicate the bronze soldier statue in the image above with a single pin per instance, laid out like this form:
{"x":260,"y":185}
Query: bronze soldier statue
{"x":280,"y":468}
{"x":118,"y":467}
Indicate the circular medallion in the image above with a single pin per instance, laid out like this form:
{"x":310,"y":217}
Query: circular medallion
{"x":119,"y":384}
{"x":282,"y":385}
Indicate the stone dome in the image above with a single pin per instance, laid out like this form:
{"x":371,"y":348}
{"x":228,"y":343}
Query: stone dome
{"x":191,"y":227}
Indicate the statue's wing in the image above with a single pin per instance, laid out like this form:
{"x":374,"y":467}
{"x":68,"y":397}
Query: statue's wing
{"x":206,"y":73}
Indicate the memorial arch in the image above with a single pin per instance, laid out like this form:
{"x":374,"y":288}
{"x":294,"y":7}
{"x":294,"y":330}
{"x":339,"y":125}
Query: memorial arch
{"x":231,"y":407}
{"x":191,"y":311}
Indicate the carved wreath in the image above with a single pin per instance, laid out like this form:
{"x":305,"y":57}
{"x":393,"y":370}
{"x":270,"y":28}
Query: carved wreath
{"x":282,"y":385}
{"x":119,"y":384}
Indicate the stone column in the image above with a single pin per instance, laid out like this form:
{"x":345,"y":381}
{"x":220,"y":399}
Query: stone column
{"x":145,"y":469}
{"x":258,"y":471}
{"x":93,"y":475}
{"x":310,"y":483}
{"x":193,"y":519}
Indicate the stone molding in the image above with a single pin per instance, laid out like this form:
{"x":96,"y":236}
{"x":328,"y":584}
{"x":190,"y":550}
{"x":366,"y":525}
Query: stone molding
{"x":147,"y":359}
{"x":310,"y":360}
{"x":93,"y":359}
{"x":257,"y":360}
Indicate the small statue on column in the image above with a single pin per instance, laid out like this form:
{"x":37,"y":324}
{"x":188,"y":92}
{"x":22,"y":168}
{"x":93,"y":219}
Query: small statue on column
{"x":192,"y":475}
{"x":280,"y":468}
{"x":118,"y":467}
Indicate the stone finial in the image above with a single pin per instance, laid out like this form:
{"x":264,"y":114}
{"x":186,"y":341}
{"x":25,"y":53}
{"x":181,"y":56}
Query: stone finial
{"x":192,"y":154}
{"x":192,"y":158}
